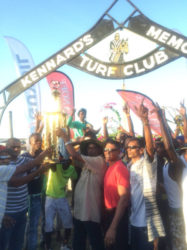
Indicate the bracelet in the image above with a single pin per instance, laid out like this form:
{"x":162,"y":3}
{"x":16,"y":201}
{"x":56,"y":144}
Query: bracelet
{"x":68,"y":142}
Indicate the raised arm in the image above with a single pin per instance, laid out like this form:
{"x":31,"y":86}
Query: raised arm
{"x":105,"y":129}
{"x":167,"y":139}
{"x":126,"y":111}
{"x":142,"y":112}
{"x":176,"y":166}
{"x":184,"y":116}
{"x":75,"y":155}
{"x":176,"y":132}
{"x":39,"y":123}
{"x":70,"y":119}
{"x":75,"y":124}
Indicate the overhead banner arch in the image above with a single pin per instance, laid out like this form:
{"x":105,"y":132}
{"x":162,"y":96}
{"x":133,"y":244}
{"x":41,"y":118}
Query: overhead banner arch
{"x":120,"y":52}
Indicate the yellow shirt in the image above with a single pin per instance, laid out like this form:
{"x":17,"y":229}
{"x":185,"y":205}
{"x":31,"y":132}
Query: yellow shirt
{"x":58,"y":179}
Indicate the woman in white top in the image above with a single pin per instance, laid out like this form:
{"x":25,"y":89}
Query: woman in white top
{"x":172,"y":174}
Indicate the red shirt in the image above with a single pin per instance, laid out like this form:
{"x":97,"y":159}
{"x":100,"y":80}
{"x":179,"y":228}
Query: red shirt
{"x":116,"y":174}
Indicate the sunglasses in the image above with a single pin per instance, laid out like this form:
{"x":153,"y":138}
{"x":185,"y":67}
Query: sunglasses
{"x":110,"y":150}
{"x":132,"y":147}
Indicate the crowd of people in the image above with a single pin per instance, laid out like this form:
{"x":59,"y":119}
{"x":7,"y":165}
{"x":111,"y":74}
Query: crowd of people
{"x":129,"y":192}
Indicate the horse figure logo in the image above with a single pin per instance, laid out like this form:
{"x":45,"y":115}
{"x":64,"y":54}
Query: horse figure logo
{"x":118,"y":47}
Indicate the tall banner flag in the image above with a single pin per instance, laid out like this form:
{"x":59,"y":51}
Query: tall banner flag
{"x":134,"y":99}
{"x":23,"y":63}
{"x":60,"y":82}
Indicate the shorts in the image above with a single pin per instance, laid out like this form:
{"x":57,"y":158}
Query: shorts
{"x":60,"y":206}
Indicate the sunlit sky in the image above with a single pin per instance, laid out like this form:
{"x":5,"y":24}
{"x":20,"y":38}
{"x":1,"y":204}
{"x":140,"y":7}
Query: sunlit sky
{"x":47,"y":26}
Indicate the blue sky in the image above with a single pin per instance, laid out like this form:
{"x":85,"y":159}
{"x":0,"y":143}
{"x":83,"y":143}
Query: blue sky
{"x":47,"y":26}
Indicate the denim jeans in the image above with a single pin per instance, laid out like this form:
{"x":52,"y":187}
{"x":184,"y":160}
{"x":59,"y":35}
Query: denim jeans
{"x":33,"y":222}
{"x":43,"y":198}
{"x":84,"y":229}
{"x":139,"y":239}
{"x":12,"y":238}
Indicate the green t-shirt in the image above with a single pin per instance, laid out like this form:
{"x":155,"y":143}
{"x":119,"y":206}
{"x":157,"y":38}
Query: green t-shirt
{"x":77,"y":126}
{"x":58,"y":179}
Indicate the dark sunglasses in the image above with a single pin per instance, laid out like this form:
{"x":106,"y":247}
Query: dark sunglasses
{"x":132,"y":147}
{"x":110,"y":150}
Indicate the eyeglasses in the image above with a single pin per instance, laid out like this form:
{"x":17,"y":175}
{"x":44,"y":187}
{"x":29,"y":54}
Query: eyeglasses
{"x":132,"y":147}
{"x":109,"y":150}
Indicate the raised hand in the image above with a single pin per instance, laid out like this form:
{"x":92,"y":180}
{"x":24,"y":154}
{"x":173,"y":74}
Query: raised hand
{"x":182,"y":109}
{"x":72,"y":112}
{"x":159,"y":112}
{"x":38,"y":116}
{"x":142,"y":111}
{"x":105,"y":120}
{"x":39,"y":122}
{"x":126,"y":109}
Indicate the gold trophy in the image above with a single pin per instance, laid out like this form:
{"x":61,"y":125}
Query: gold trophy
{"x":52,"y":121}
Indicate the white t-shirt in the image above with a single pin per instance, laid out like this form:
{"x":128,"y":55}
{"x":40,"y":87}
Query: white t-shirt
{"x":89,"y":189}
{"x":138,"y":212}
{"x":184,"y":189}
{"x":6,"y":172}
{"x":173,"y":191}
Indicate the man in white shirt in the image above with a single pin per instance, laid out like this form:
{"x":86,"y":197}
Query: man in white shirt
{"x":146,"y":224}
{"x":88,"y":193}
{"x":11,"y":175}
{"x":6,"y":173}
{"x":173,"y":180}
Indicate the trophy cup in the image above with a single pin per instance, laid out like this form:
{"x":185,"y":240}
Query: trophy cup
{"x":52,"y":121}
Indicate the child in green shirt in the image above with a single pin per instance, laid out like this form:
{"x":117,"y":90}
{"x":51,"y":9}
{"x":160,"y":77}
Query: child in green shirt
{"x":56,"y":201}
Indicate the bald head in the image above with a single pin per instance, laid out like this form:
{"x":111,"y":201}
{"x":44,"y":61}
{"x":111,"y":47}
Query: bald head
{"x":15,"y":145}
{"x":12,"y":141}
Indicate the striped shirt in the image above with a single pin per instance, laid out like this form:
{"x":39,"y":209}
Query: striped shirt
{"x":6,"y":172}
{"x":17,"y":198}
{"x":147,"y":172}
{"x":35,"y":185}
